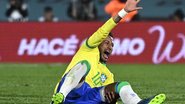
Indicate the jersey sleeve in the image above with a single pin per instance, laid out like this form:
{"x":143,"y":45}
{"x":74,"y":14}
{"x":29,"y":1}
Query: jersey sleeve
{"x":96,"y":39}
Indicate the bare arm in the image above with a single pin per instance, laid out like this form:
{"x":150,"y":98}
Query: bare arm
{"x":103,"y":31}
{"x":131,"y":5}
{"x":117,"y":18}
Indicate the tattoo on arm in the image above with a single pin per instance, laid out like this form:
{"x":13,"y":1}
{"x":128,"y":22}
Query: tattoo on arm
{"x":117,"y":18}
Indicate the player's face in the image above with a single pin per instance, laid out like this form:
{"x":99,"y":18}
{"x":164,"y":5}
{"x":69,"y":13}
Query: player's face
{"x":105,"y":49}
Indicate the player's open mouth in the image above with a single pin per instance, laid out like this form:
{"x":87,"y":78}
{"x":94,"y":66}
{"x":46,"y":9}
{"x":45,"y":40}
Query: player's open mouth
{"x":106,"y":54}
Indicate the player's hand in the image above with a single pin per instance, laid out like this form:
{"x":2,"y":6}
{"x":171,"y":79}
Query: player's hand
{"x":109,"y":96}
{"x":131,"y":5}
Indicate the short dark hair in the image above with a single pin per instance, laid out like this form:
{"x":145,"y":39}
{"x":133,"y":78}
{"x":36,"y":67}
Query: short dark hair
{"x":111,"y":34}
{"x":179,"y":13}
{"x":48,"y":9}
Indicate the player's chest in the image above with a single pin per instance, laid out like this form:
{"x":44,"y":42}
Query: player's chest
{"x":101,"y":76}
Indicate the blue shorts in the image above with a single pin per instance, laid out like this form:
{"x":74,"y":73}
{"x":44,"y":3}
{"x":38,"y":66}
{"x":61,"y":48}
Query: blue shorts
{"x":83,"y":95}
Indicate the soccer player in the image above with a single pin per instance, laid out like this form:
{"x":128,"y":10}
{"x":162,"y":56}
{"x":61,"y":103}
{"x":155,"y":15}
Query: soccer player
{"x":87,"y":80}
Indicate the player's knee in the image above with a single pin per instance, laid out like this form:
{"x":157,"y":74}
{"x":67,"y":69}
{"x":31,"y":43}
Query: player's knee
{"x":119,"y":85}
{"x":80,"y":70}
{"x":87,"y":66}
{"x":83,"y":67}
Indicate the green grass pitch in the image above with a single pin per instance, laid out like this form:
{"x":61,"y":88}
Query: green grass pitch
{"x":34,"y":83}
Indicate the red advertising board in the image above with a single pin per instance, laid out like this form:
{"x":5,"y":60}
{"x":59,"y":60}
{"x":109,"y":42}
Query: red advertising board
{"x":141,"y":42}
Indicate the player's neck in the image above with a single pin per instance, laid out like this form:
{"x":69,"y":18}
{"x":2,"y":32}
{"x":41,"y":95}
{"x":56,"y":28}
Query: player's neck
{"x":104,"y":63}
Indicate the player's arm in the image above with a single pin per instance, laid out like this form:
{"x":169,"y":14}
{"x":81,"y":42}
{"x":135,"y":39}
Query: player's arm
{"x":103,"y":31}
{"x":131,"y":5}
{"x":97,"y":37}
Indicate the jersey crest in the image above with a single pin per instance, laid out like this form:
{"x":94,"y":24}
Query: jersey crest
{"x":103,"y":78}
{"x":99,"y":78}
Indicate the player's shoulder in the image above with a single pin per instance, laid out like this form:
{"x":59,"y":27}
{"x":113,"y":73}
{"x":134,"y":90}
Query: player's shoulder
{"x":85,"y":48}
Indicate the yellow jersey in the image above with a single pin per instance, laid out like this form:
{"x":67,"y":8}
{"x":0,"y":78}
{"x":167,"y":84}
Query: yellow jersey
{"x":99,"y":74}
